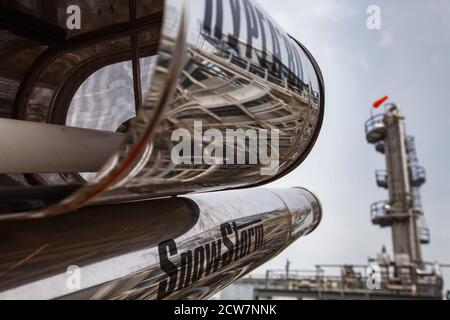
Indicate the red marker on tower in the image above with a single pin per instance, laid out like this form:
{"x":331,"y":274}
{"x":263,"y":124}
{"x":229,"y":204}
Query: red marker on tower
{"x":379,"y":102}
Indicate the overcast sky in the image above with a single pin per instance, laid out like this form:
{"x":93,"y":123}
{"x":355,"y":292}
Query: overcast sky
{"x":408,"y":59}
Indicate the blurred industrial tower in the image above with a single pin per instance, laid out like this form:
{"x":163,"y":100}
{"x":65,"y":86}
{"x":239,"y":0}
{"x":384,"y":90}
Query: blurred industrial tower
{"x":408,"y":276}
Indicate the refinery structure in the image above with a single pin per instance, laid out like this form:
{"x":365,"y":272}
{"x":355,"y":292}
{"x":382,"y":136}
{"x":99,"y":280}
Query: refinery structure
{"x":405,"y":274}
{"x":112,"y":99}
{"x":135,"y":147}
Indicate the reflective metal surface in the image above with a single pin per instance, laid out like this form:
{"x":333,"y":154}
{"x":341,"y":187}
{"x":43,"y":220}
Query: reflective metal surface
{"x":197,"y":247}
{"x":142,"y":71}
{"x":226,"y":65}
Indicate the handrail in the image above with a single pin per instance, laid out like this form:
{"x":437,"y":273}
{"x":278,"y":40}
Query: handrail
{"x":373,"y":122}
{"x":378,"y":209}
{"x":381,"y":177}
{"x":418,"y":174}
{"x":375,"y":128}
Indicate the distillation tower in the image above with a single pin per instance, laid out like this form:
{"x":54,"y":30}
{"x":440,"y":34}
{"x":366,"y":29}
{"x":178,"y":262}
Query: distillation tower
{"x":403,"y":212}
{"x":402,"y":178}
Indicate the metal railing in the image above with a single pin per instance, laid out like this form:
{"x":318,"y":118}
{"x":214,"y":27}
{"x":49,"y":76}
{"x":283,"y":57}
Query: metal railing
{"x":424,"y":235}
{"x":417,"y":200}
{"x":378,"y":211}
{"x":382,"y":214}
{"x":375,"y":129}
{"x":382,"y":178}
{"x":418,"y":175}
{"x":411,"y":149}
{"x":344,"y":279}
{"x":283,"y":77}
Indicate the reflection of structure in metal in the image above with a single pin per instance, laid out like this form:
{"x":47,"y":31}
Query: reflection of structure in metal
{"x":224,"y":96}
{"x":407,"y":276}
{"x":265,"y":66}
{"x":43,"y":74}
{"x":210,"y":83}
{"x":224,"y":90}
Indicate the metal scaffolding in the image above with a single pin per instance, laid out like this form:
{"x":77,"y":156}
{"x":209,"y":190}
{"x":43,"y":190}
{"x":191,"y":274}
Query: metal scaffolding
{"x":403,"y":179}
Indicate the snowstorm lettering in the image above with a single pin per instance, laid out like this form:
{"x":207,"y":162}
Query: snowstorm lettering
{"x":185,"y":269}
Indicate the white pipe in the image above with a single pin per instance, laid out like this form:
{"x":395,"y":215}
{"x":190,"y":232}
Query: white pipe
{"x":30,"y":147}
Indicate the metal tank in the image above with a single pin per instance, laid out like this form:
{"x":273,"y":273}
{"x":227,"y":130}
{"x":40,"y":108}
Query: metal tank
{"x":200,"y":245}
{"x":136,"y":74}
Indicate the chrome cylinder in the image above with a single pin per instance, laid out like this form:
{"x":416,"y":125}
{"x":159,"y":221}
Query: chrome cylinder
{"x":178,"y":248}
{"x":229,"y":101}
